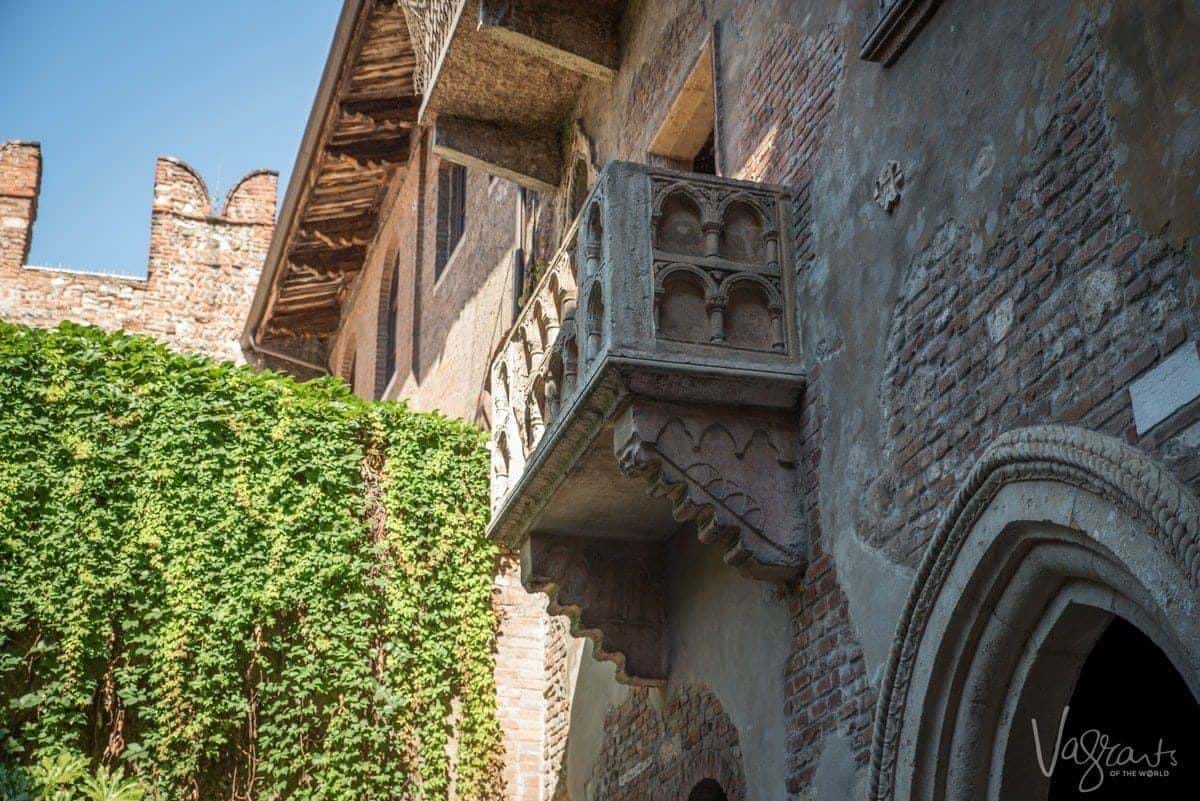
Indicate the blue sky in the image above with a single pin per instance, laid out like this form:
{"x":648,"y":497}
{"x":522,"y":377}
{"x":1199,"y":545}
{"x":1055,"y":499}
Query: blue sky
{"x":106,"y":87}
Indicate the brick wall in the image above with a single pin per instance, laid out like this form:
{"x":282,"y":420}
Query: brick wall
{"x":465,"y":310}
{"x":1049,"y":323}
{"x":557,"y":694}
{"x":663,"y":750}
{"x":20,"y":177}
{"x":1047,"y":317}
{"x":520,"y":682}
{"x":202,"y":268}
{"x":825,"y":682}
{"x":447,"y":324}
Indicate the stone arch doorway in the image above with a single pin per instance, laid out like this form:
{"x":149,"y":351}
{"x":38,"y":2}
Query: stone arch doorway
{"x":1128,"y":690}
{"x":1056,"y":533}
{"x":707,"y":790}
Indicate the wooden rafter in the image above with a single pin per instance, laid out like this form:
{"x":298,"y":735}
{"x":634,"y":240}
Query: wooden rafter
{"x":365,"y":137}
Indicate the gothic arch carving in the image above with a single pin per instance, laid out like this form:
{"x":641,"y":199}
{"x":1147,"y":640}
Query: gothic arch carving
{"x":685,"y":192}
{"x":561,"y":290}
{"x":672,"y":269}
{"x":753,"y":312}
{"x":680,"y":222}
{"x":1056,"y":530}
{"x":770,"y":291}
{"x":594,"y":322}
{"x":579,"y":178}
{"x":743,"y":230}
{"x":683,"y":297}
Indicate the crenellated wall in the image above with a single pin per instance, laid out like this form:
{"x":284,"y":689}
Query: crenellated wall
{"x":203,"y":266}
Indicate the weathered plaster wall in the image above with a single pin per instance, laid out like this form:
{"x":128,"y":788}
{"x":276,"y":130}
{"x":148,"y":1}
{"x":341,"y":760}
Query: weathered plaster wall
{"x":469,"y":306}
{"x":202,"y":272}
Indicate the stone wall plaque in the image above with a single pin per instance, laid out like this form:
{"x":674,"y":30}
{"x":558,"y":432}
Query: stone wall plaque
{"x":1166,"y":388}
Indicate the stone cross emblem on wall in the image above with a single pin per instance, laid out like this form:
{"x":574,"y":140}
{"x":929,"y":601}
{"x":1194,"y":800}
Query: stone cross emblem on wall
{"x":888,"y":186}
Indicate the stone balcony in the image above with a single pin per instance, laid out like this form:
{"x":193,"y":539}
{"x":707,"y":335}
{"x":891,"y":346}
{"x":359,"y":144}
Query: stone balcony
{"x":648,"y":390}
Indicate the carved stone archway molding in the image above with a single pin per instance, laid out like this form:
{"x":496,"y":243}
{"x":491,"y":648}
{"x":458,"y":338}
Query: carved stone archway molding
{"x":1051,"y":520}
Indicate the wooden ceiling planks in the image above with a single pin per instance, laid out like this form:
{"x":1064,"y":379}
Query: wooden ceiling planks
{"x":367,"y":137}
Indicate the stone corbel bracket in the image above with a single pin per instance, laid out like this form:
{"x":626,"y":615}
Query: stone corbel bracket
{"x":731,"y":472}
{"x":613,"y":592}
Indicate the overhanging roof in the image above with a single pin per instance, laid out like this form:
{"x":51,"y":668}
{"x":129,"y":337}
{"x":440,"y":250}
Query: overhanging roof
{"x":358,"y":136}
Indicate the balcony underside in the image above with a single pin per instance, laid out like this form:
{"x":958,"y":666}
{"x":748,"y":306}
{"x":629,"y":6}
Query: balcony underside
{"x":622,"y":472}
{"x":508,"y":78}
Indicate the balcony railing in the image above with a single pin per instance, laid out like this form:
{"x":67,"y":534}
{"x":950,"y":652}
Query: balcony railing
{"x":430,"y":23}
{"x":660,"y":350}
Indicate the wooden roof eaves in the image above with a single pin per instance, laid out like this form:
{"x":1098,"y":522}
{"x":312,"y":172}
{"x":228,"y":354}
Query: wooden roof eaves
{"x":348,"y":36}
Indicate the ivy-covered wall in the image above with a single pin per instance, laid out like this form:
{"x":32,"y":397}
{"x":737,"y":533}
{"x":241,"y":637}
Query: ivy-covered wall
{"x":229,"y":585}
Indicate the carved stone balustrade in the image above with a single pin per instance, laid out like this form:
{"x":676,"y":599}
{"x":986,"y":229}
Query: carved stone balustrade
{"x":648,"y":390}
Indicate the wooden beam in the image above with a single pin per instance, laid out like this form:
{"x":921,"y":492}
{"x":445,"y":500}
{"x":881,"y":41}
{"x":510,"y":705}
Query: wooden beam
{"x":338,"y":232}
{"x":529,"y":157}
{"x":363,"y":128}
{"x":373,"y":152}
{"x":383,"y":104}
{"x":304,"y":251}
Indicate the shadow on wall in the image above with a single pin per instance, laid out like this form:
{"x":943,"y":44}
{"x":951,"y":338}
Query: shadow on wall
{"x":467,"y":307}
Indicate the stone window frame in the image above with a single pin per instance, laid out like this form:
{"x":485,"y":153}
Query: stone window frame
{"x":898,"y":24}
{"x":674,"y":143}
{"x":451,"y":216}
{"x":389,"y":336}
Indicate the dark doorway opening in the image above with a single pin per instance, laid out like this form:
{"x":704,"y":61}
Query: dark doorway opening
{"x":1133,"y":712}
{"x":707,"y":790}
{"x":705,"y":160}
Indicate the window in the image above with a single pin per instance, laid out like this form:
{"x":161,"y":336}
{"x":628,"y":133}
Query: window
{"x":687,"y":137}
{"x":451,"y":212}
{"x":705,"y":161}
{"x":391,"y":319}
{"x":897,"y":23}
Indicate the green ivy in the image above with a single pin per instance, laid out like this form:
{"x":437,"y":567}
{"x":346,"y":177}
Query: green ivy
{"x":227,"y":584}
